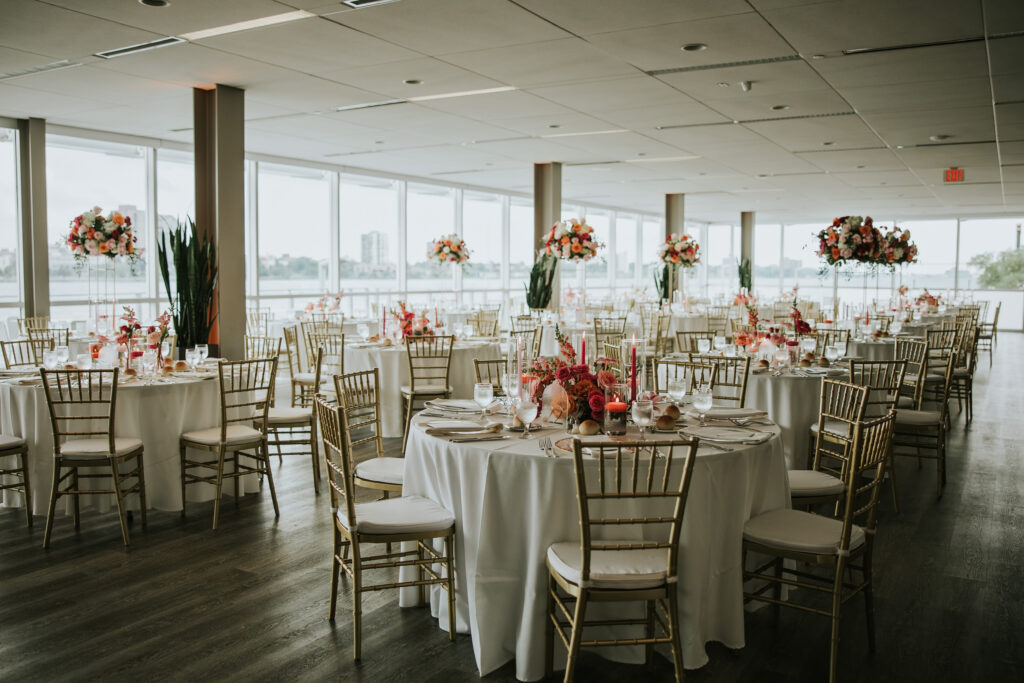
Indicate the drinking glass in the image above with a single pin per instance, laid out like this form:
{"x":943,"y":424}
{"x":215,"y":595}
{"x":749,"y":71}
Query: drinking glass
{"x":703,"y":346}
{"x":483,"y":394}
{"x":719,"y":342}
{"x":643,"y":411}
{"x":807,"y":344}
{"x":895,"y":327}
{"x":526,"y":411}
{"x":781,"y":360}
{"x":50,"y":359}
{"x":192,"y":358}
{"x":149,"y":362}
{"x":702,"y":401}
{"x":832,"y":353}
{"x":83,"y":361}
{"x":509,"y":385}
{"x":62,"y":354}
{"x":165,"y":350}
{"x":203,"y":351}
{"x":677,"y":389}
{"x":363,"y":330}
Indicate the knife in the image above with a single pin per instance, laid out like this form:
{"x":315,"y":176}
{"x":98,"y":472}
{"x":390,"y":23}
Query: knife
{"x":467,"y":439}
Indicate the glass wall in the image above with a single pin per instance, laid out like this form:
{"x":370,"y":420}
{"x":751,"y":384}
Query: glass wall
{"x":936,"y":244}
{"x":652,"y":237}
{"x":482,"y":231}
{"x":369,"y":243}
{"x":10,"y":264}
{"x":627,"y":243}
{"x":430,"y":214}
{"x":521,"y":247}
{"x":175,"y":199}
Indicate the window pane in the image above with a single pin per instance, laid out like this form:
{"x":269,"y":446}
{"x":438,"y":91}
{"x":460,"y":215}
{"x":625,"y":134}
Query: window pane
{"x":936,"y":251}
{"x":481,"y":230}
{"x":981,"y":243}
{"x":597,"y":268}
{"x":652,"y":239}
{"x":430,"y":213}
{"x":521,"y":249}
{"x":720,"y":255}
{"x":82,"y":174}
{"x":175,"y":198}
{"x":625,"y":249}
{"x":767,"y":279}
{"x":802,"y":264}
{"x":10,"y":288}
{"x":369,"y":237}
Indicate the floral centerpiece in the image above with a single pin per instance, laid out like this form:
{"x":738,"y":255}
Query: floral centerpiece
{"x":156,"y":334}
{"x":583,"y":397}
{"x":328,"y":303}
{"x":928,"y":299}
{"x":412,"y":325}
{"x":850,"y":238}
{"x":129,"y":326}
{"x":93,"y":234}
{"x":800,"y":326}
{"x":448,"y":249}
{"x":680,"y":250}
{"x":572,"y":240}
{"x":897,"y":248}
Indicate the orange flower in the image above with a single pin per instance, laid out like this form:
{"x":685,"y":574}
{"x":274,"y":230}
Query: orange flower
{"x":576,"y":248}
{"x":448,"y":243}
{"x":565,"y":240}
{"x":91,"y":234}
{"x":118,"y":218}
{"x":103,"y":248}
{"x":835,"y":252}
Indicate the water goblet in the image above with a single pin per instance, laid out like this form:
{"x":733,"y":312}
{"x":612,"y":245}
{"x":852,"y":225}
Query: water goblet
{"x":832,"y":353}
{"x":83,"y":361}
{"x":363,"y":330}
{"x":510,"y":386}
{"x":50,"y":359}
{"x":677,"y":389}
{"x":703,"y":346}
{"x":63,"y":354}
{"x":192,"y":358}
{"x":895,"y":327}
{"x":807,"y":344}
{"x":526,"y":411}
{"x":643,"y":412}
{"x":702,"y":402}
{"x":204,"y":352}
{"x":149,"y":362}
{"x":483,"y":394}
{"x":781,"y":360}
{"x":719,"y":342}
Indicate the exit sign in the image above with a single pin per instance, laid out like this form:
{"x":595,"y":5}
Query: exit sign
{"x":954,"y":175}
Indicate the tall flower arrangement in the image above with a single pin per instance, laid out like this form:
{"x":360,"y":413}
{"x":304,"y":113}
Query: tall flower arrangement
{"x":93,"y":234}
{"x":572,"y":240}
{"x":850,"y":238}
{"x":680,"y":250}
{"x":448,"y":249}
{"x":897,"y":247}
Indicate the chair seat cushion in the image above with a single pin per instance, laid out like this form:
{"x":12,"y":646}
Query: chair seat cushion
{"x":833,"y":427}
{"x":961,"y":373}
{"x":920,"y":418}
{"x":813,"y":483}
{"x":305,"y":378}
{"x":625,"y":569}
{"x":285,"y":415}
{"x":8,"y":442}
{"x":904,"y":402}
{"x":799,"y":531}
{"x":99,"y":448}
{"x":383,"y":470}
{"x":236,"y":434}
{"x":426,"y":388}
{"x":405,"y":515}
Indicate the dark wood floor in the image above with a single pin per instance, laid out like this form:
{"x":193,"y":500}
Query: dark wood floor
{"x":249,"y":601}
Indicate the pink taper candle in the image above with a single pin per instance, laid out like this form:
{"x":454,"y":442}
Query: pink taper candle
{"x":632,"y":373}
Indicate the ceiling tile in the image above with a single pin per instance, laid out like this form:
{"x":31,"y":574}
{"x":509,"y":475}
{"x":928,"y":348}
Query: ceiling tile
{"x":191,"y":65}
{"x":855,"y":160}
{"x":916,"y":127}
{"x":965,"y":92}
{"x":949,"y":156}
{"x":842,"y":132}
{"x":869,"y":178}
{"x":584,"y":17}
{"x":302,"y":93}
{"x":436,"y":78}
{"x":757,"y":107}
{"x":775,"y":79}
{"x":179,"y":16}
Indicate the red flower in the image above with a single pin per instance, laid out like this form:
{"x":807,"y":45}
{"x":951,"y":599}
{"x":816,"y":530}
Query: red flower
{"x":562,"y":374}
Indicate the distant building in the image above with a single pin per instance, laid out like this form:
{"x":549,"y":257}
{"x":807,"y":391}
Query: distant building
{"x":374,"y":248}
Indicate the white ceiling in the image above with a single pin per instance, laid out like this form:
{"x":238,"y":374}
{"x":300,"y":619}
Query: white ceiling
{"x":854,"y":138}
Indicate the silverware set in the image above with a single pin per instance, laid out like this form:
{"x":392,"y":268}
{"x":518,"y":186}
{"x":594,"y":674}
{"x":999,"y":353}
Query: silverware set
{"x":546,"y":446}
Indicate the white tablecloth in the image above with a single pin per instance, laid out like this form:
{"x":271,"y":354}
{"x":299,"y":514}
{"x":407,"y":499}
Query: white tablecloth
{"x":157,"y":413}
{"x":511,"y":502}
{"x":549,"y":345}
{"x":917,"y":329}
{"x":791,"y":400}
{"x":883,"y":349}
{"x":392,"y":364}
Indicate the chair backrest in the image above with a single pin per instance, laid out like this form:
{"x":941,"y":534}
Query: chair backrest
{"x":884,"y":321}
{"x":490,"y":371}
{"x":333,"y":347}
{"x":717,"y":324}
{"x":883,"y":379}
{"x":622,"y":478}
{"x":41,"y":322}
{"x":947,"y":365}
{"x":613,"y":352}
{"x":658,"y":337}
{"x":608,"y":329}
{"x":840,"y":338}
{"x":262,"y":347}
{"x":915,"y":352}
{"x":532,"y":339}
{"x":291,"y":347}
{"x":524,"y":323}
{"x":430,"y":360}
{"x":359,"y":400}
{"x":730,"y":383}
{"x":863,"y":476}
{"x":311,"y":331}
{"x":686,"y":342}
{"x":841,"y":406}
{"x":61,"y":336}
{"x":485,"y":323}
{"x":995,"y":316}
{"x":81,"y":404}
{"x":246,"y":392}
{"x":697,"y":373}
{"x":25,"y":352}
{"x":257,"y":322}
{"x":337,"y":458}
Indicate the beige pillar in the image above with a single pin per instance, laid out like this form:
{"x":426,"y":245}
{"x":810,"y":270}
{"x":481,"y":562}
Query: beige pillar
{"x":675,"y":222}
{"x":220,"y":205}
{"x":747,"y":241}
{"x":35,"y":265}
{"x":547,"y":210}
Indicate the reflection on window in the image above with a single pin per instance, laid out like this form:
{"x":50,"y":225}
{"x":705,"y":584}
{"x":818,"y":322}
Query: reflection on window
{"x":10,"y":289}
{"x":430,"y":213}
{"x":652,"y":237}
{"x":936,"y":245}
{"x":985,"y":244}
{"x":294,"y":229}
{"x":767,"y":276}
{"x":82,"y":174}
{"x":481,"y":230}
{"x":369,"y":234}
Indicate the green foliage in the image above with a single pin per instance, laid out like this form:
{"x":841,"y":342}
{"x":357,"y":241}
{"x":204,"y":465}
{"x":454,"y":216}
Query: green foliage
{"x":195,"y":268}
{"x":1004,"y":270}
{"x":663,"y":283}
{"x":538,"y":292}
{"x":743,"y":269}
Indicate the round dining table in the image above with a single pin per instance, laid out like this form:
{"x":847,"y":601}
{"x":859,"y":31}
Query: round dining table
{"x":511,"y":501}
{"x":872,"y":349}
{"x":392,"y":363}
{"x":157,"y":411}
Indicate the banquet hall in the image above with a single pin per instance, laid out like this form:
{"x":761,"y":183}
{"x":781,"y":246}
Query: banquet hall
{"x":511,"y":340}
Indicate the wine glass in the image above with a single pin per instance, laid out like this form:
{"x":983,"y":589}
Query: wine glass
{"x":63,"y":354}
{"x":203,"y":350}
{"x":363,"y":330}
{"x":895,"y":327}
{"x":677,"y":389}
{"x":191,"y":357}
{"x":483,"y":394}
{"x":83,"y":361}
{"x":807,"y":344}
{"x":703,"y":346}
{"x":832,"y":353}
{"x":149,"y":362}
{"x":702,"y":401}
{"x":510,"y":385}
{"x":643,"y":411}
{"x":50,"y":359}
{"x":719,"y":342}
{"x":526,"y":411}
{"x":781,"y":360}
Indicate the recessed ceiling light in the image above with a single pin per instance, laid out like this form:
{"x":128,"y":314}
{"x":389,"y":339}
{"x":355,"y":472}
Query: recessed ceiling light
{"x":723,"y":84}
{"x":412,"y":81}
{"x":828,"y":143}
{"x":154,"y":3}
{"x":693,"y":47}
{"x":464,"y":93}
{"x":246,"y":25}
{"x":745,"y":86}
{"x":780,"y":107}
{"x":899,"y":146}
{"x":590,"y":132}
{"x":939,"y":138}
{"x":817,"y":56}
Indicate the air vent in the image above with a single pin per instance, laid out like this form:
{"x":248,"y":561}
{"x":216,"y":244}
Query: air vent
{"x":52,"y":66}
{"x":141,"y":47}
{"x":370,"y":105}
{"x":725,"y":65}
{"x":912,"y":46}
{"x":366,"y":3}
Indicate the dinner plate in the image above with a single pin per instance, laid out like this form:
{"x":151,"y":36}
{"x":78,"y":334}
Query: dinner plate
{"x":460,"y":405}
{"x":726,"y":413}
{"x":726,"y":434}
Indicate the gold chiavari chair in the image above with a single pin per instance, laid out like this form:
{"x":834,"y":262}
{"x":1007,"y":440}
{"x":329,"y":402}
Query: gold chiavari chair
{"x":524,"y":323}
{"x":359,"y":399}
{"x":883,"y":379}
{"x":390,"y":521}
{"x":687,"y":342}
{"x":430,"y":360}
{"x":988,"y":334}
{"x":731,"y":378}
{"x":262,"y":347}
{"x":884,"y":321}
{"x":843,"y":546}
{"x":485,"y":323}
{"x":613,"y":352}
{"x":16,"y":477}
{"x":246,"y":390}
{"x":841,"y":405}
{"x":962,"y":387}
{"x":303,"y":377}
{"x":601,"y":569}
{"x":295,"y":427}
{"x":490,"y":371}
{"x":257,"y":322}
{"x":659,"y":338}
{"x":531,"y":340}
{"x":608,"y":329}
{"x":922,"y":433}
{"x":312,"y":330}
{"x":82,"y":405}
{"x":24,"y":353}
{"x":41,"y":322}
{"x":840,"y":338}
{"x":915,"y":353}
{"x":696,"y":373}
{"x":61,"y":336}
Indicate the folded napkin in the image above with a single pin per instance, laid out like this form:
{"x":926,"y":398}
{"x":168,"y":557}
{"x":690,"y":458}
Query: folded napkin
{"x":454,"y":405}
{"x":727,"y":434}
{"x":725,"y":413}
{"x":460,"y":428}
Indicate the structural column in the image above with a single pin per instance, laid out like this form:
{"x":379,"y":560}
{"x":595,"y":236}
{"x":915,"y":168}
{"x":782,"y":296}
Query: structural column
{"x":675,"y":222}
{"x":220,"y":205}
{"x":747,"y":241}
{"x":35,"y":265}
{"x":547,"y":210}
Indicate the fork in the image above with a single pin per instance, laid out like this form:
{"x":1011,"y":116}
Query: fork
{"x":545,"y":445}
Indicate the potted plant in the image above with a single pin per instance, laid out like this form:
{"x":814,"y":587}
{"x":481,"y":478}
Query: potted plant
{"x":195,"y":268}
{"x":538,"y":292}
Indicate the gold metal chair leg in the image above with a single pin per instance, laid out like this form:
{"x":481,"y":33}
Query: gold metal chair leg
{"x":314,"y":456}
{"x":677,"y":643}
{"x":142,"y":488}
{"x":549,"y":630}
{"x":54,"y":495}
{"x":576,"y":637}
{"x":357,"y":603}
{"x":449,"y":551}
{"x":408,"y":423}
{"x":28,"y":488}
{"x":270,"y":477}
{"x":219,"y":485}
{"x":115,"y":477}
{"x":837,"y":602}
{"x":335,"y":572}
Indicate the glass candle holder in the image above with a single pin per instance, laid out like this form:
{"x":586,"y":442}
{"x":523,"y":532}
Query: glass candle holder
{"x":616,"y":407}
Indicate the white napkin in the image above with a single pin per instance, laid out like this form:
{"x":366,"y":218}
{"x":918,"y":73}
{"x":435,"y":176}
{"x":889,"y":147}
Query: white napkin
{"x":727,"y":434}
{"x":725,"y":413}
{"x":455,"y":405}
